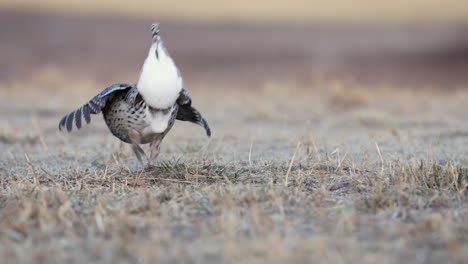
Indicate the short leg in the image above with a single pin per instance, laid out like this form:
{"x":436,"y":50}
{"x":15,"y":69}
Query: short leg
{"x":139,"y":152}
{"x":155,"y":148}
{"x":135,"y":138}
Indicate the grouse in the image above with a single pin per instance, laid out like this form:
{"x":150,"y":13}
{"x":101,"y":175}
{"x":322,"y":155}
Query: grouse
{"x":143,"y":113}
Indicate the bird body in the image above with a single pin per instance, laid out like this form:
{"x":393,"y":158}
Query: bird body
{"x":159,"y":84}
{"x":143,"y":113}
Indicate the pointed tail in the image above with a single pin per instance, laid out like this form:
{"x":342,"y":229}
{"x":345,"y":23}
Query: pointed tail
{"x":155,"y":31}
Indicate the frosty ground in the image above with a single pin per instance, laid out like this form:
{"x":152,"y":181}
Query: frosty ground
{"x":326,"y":171}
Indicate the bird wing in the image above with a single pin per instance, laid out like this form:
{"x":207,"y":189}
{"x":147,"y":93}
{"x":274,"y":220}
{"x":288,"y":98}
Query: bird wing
{"x":94,"y":106}
{"x":188,"y":113}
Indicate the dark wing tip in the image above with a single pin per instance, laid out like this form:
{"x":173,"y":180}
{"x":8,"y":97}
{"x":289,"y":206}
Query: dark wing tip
{"x":206,"y":126}
{"x":70,"y":121}
{"x":78,"y":118}
{"x":62,"y":123}
{"x":67,"y":121}
{"x":190,"y":114}
{"x":86,"y":114}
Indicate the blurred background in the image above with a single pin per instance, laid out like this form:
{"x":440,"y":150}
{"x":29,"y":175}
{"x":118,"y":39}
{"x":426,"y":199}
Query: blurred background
{"x":240,"y":44}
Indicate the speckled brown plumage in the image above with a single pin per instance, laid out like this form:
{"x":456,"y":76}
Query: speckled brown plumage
{"x":124,"y":111}
{"x":143,"y":113}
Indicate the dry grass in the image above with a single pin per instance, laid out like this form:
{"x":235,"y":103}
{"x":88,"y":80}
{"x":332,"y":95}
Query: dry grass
{"x":194,"y":212}
{"x":382,"y":178}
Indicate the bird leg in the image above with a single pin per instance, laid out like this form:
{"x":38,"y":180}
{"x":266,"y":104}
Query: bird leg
{"x":139,"y":152}
{"x":155,"y":148}
{"x":135,"y":138}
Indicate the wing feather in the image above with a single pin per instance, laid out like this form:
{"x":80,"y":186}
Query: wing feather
{"x":94,"y":106}
{"x":184,"y":98}
{"x":70,"y":121}
{"x":86,"y":114}
{"x":62,"y":121}
{"x":78,"y":117}
{"x":188,"y":113}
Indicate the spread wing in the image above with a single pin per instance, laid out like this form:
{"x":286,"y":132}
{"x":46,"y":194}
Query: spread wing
{"x":188,"y":113}
{"x":94,"y":106}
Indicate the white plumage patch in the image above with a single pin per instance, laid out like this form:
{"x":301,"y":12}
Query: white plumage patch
{"x":159,"y":83}
{"x":158,"y":121}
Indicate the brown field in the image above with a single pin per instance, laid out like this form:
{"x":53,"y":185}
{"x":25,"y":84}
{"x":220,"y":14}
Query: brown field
{"x":331,"y":144}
